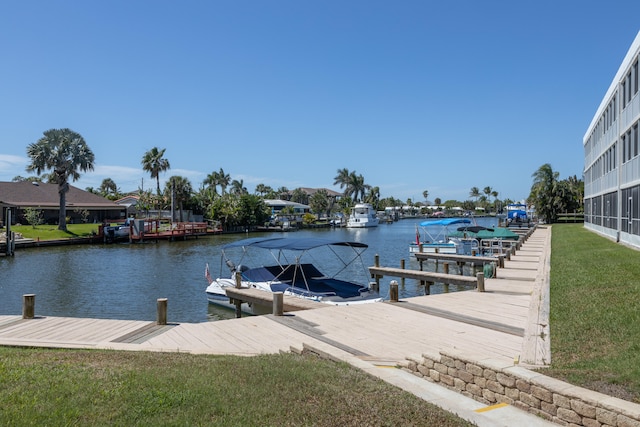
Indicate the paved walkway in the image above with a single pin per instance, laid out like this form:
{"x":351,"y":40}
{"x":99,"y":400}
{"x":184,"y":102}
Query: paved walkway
{"x":504,"y":323}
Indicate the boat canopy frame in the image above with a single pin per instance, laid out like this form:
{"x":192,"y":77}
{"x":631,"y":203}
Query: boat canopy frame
{"x":282,"y":249}
{"x":443,"y":230}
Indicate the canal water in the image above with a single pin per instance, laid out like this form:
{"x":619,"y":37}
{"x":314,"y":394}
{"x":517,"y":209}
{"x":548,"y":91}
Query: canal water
{"x":124,"y":281}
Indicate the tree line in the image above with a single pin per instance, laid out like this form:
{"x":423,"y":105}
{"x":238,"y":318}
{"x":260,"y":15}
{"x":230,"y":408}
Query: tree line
{"x":62,"y":154}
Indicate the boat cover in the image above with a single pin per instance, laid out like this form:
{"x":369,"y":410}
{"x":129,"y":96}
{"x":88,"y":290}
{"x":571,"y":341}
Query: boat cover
{"x":474,"y":228}
{"x":445,"y":222}
{"x":289,"y":243}
{"x":498,"y":233}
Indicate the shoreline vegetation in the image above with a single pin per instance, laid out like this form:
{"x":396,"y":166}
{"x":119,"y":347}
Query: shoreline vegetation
{"x":595,"y":338}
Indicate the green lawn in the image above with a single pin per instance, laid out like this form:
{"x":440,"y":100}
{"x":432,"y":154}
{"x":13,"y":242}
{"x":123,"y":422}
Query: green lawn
{"x":91,"y":387}
{"x":51,"y":232}
{"x":595,"y":312}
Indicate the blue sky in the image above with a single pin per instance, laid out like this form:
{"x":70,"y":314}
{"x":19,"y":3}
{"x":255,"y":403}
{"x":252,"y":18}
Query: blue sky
{"x":412,"y":95}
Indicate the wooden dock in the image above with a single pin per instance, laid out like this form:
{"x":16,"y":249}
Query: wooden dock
{"x":509,"y":320}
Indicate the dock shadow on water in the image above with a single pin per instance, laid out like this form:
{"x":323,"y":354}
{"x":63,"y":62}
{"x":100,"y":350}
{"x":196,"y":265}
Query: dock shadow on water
{"x":124,"y":281}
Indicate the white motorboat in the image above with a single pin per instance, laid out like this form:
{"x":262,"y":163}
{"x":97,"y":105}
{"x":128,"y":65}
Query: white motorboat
{"x":363,"y":215}
{"x":286,"y":273}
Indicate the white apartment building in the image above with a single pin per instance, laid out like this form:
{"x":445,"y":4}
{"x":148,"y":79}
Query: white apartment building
{"x":612,"y":157}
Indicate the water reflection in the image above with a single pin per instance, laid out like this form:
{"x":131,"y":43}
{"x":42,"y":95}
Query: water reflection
{"x":123,"y":281}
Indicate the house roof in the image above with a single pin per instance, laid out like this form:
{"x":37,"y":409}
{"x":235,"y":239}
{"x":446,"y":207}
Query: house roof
{"x":128,"y":201}
{"x":284,"y":203}
{"x":40,"y":195}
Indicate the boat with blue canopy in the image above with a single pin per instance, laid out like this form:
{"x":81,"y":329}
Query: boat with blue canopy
{"x":435,"y":236}
{"x":287,"y":265}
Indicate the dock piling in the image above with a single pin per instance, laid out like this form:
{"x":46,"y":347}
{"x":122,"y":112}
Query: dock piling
{"x":480,"y":277}
{"x":278,"y":304}
{"x":376,"y":262}
{"x":162,"y":311}
{"x":28,"y":306}
{"x":393,"y":291}
{"x":445,"y":266}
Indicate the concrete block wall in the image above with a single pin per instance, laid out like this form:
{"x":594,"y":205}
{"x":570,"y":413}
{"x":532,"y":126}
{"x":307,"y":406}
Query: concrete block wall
{"x":491,"y":382}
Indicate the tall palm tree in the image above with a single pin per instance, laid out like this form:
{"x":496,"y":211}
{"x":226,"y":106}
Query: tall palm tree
{"x":263,"y":189}
{"x":475,"y":193}
{"x":544,"y":191}
{"x":212,"y":180}
{"x":342,"y":179}
{"x":154,"y":163}
{"x":223,"y":180}
{"x":356,"y":186}
{"x":237,"y":187}
{"x":182,"y":192}
{"x":108,"y":188}
{"x":373,"y":196}
{"x":487,"y":192}
{"x":65,"y":152}
{"x":425,"y":194}
{"x":284,"y":193}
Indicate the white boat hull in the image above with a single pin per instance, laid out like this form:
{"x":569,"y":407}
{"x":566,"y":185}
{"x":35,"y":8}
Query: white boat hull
{"x":216,"y":295}
{"x":363,"y":215}
{"x":429,"y":248}
{"x":356,"y":223}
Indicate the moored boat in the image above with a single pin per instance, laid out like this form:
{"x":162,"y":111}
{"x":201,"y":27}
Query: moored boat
{"x":286,"y":272}
{"x":437,"y":237}
{"x":363,"y":215}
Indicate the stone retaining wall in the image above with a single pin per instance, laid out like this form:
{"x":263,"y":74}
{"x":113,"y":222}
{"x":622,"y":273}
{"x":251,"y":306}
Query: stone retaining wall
{"x":491,"y":382}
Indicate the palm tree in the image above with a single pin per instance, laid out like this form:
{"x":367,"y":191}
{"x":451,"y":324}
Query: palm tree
{"x":223,"y":180}
{"x":182,"y":192}
{"x":342,"y":179}
{"x":373,"y":196}
{"x":487,"y":192}
{"x":237,"y":187}
{"x":543,"y":192}
{"x":108,"y":188}
{"x":153,"y":163}
{"x":283,"y":193}
{"x":356,"y":186}
{"x":65,"y":152}
{"x":262,"y":189}
{"x":212,"y":180}
{"x":425,"y":194}
{"x":475,"y":192}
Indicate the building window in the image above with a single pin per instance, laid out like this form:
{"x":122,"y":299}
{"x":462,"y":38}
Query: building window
{"x":635,"y":139}
{"x":635,"y":77}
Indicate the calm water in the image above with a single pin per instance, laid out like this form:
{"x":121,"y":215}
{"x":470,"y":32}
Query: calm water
{"x":123,"y":281}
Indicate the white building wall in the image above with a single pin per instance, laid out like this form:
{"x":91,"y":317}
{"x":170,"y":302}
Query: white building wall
{"x":612,"y":156}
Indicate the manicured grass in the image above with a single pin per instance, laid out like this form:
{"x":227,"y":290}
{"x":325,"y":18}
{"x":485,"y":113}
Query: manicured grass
{"x":595,"y":312}
{"x":90,"y":387}
{"x":51,"y":232}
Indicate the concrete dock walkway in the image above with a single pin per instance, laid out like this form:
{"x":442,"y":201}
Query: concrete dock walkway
{"x":502,"y":324}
